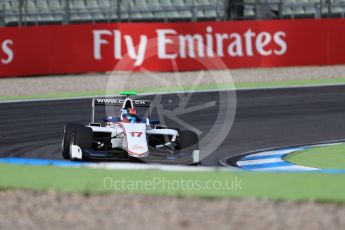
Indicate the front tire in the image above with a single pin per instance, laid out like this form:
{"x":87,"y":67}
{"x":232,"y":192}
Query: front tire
{"x":83,"y":137}
{"x":76,"y":134}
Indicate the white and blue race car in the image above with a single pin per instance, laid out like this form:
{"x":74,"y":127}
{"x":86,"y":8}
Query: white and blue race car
{"x":129,"y":137}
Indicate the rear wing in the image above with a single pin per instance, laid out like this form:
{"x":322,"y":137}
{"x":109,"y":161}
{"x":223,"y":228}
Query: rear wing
{"x":117,"y":102}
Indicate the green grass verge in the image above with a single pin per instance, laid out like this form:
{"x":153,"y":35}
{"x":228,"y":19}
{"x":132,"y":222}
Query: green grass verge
{"x":291,"y":186}
{"x":243,"y":85}
{"x":326,"y":157}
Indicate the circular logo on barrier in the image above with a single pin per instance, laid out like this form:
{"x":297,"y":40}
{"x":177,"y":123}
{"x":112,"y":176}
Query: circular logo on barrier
{"x":201,"y":101}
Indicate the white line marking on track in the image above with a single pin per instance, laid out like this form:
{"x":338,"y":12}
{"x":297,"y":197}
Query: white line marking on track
{"x":260,"y":161}
{"x":287,"y":168}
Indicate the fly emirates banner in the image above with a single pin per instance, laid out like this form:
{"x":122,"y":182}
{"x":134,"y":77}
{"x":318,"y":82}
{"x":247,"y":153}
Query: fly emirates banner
{"x":60,"y":49}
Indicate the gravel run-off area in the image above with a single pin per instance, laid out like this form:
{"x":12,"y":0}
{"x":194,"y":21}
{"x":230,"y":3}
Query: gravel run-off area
{"x":54,"y":210}
{"x":42,"y":85}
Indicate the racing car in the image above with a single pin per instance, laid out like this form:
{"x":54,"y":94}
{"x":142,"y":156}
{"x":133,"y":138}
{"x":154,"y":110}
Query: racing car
{"x":128,"y":136}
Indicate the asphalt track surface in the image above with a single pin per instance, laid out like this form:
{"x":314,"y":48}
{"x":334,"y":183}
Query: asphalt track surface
{"x":264,"y":119}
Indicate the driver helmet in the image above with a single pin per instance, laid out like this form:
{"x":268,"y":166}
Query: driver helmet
{"x":129,"y":115}
{"x":132,"y":115}
{"x":132,"y":111}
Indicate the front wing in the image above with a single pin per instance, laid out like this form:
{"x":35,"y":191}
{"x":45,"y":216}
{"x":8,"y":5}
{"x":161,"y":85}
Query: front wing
{"x":160,"y":157}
